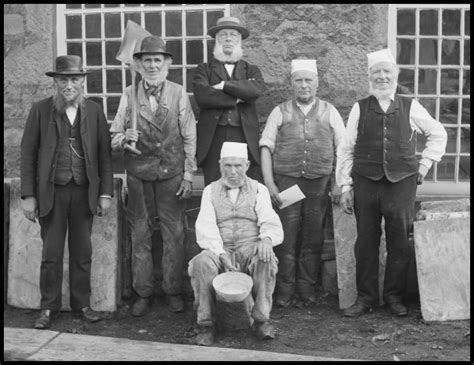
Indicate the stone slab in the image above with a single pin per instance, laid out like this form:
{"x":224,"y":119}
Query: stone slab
{"x":345,"y":234}
{"x":442,"y":249}
{"x":20,"y":343}
{"x":457,"y":205}
{"x":25,"y":257}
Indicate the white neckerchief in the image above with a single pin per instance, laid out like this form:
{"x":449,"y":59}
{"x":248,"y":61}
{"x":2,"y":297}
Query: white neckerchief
{"x":71,"y":112}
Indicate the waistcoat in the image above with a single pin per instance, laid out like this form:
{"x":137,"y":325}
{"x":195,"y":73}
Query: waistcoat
{"x":230,"y":116}
{"x":304,"y":145}
{"x":237,"y":221}
{"x":68,"y":163}
{"x":385,"y":143}
{"x":160,"y":141}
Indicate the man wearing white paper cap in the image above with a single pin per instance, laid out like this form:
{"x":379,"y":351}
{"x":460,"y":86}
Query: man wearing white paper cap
{"x":298,"y":146}
{"x":237,"y":229}
{"x":226,"y":89}
{"x":378,"y":171}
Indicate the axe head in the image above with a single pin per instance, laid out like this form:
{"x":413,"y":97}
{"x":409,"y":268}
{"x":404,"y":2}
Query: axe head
{"x":132,"y":39}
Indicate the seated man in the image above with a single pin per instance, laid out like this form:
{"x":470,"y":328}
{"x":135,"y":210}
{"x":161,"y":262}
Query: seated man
{"x":237,"y":229}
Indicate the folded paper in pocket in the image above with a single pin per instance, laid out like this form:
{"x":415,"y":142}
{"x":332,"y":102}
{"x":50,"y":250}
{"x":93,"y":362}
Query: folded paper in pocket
{"x":290,"y":196}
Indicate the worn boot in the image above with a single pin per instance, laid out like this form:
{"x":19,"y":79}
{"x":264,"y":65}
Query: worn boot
{"x":356,"y":309}
{"x":265,"y":330}
{"x":141,"y":306}
{"x":205,"y":336}
{"x":44,"y":320}
{"x":89,"y":315}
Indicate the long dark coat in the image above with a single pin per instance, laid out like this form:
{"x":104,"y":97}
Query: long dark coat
{"x":247,"y":84}
{"x":38,"y":153}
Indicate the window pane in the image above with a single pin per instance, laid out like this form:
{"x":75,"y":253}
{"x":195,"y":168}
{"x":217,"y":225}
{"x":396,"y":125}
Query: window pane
{"x":93,"y":26}
{"x":212,"y":17}
{"x":111,"y":50}
{"x":466,"y":111}
{"x":114,"y":81}
{"x":73,"y":26}
{"x":466,"y":86}
{"x":465,"y":168}
{"x":210,"y":48}
{"x":176,"y":49}
{"x":428,"y":52}
{"x":112,"y":25}
{"x":429,"y":104}
{"x":465,"y":140}
{"x":450,"y":52}
{"x":73,"y":6}
{"x":467,"y":52}
{"x":451,"y":22}
{"x":406,"y":79}
{"x":111,"y":5}
{"x":406,"y":51}
{"x":448,"y":111}
{"x":426,"y":81}
{"x":420,"y":142}
{"x":176,"y":75}
{"x":173,"y":23}
{"x":194,"y":23}
{"x":406,"y":22}
{"x":93,"y":52}
{"x":449,"y":82}
{"x":428,"y":22}
{"x":97,"y":99}
{"x":112,"y":106}
{"x":90,"y":6}
{"x":74,"y":49}
{"x":134,"y":17}
{"x":446,"y":168}
{"x":153,"y":23}
{"x":452,"y":138}
{"x":94,"y":82}
{"x":467,"y":23}
{"x":194,"y":52}
{"x":189,"y":80}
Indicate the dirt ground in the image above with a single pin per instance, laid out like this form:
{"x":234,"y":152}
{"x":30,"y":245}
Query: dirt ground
{"x":317,"y":330}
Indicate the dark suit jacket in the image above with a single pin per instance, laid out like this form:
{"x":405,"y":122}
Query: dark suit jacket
{"x":247,"y":84}
{"x":38,"y":153}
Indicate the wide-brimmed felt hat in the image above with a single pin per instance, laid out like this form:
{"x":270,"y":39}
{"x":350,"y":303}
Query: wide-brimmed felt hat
{"x":228,"y":22}
{"x":68,"y":65}
{"x":152,"y":45}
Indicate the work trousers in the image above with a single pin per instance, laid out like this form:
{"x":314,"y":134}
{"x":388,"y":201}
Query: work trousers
{"x":147,"y":200}
{"x":299,"y":255}
{"x":395,"y":202}
{"x":210,"y":166}
{"x":70,"y":213}
{"x":205,"y":266}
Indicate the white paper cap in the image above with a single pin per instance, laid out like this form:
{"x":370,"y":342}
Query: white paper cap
{"x":306,"y":65}
{"x":234,"y":149}
{"x":383,"y":55}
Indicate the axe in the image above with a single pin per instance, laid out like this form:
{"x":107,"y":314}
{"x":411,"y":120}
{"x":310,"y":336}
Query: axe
{"x":132,"y":39}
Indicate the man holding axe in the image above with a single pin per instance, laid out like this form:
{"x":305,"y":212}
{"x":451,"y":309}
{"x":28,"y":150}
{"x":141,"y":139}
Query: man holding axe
{"x":156,"y":128}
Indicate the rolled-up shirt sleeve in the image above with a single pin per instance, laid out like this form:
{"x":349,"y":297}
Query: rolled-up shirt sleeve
{"x":117,"y":129}
{"x":345,"y":150}
{"x":187,"y":126}
{"x":267,"y":219}
{"x":270,"y":131}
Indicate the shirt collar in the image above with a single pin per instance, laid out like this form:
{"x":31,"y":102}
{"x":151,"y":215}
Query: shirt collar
{"x":392,"y":97}
{"x":306,"y":106}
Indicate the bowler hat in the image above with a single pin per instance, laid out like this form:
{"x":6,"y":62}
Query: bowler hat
{"x":152,"y":45}
{"x":228,"y":22}
{"x":68,"y":65}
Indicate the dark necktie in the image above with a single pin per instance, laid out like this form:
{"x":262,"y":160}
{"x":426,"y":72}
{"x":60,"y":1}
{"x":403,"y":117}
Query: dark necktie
{"x":153,"y":90}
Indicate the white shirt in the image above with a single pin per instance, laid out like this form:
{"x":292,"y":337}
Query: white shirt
{"x":420,"y":121}
{"x":71,"y":112}
{"x":207,"y":231}
{"x":229,"y":68}
{"x":275,"y":119}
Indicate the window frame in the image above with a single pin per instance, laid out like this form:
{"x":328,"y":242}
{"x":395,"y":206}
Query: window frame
{"x":436,"y":187}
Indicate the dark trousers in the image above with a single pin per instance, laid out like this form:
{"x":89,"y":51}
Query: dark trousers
{"x":299,"y":255}
{"x":395,"y":202}
{"x":70,"y":213}
{"x":210,"y":166}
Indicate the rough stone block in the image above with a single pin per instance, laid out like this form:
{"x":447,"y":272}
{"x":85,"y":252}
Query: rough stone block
{"x":234,"y":316}
{"x":25,"y":257}
{"x":442,"y":249}
{"x":345,"y":234}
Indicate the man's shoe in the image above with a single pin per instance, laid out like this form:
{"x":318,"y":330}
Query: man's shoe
{"x":44,"y":320}
{"x":205,"y":336}
{"x":141,"y":306}
{"x":398,"y":309}
{"x":175,"y":303}
{"x":356,"y":309}
{"x":89,"y":315}
{"x":265,"y":330}
{"x":308,"y":299}
{"x":283,"y":300}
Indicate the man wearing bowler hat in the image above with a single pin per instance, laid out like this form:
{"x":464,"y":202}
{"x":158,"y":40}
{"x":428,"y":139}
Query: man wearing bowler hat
{"x":66,"y":179}
{"x":160,"y":177}
{"x":226,"y":89}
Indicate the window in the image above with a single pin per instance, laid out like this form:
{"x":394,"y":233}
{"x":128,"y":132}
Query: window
{"x":94,"y":32}
{"x":432,"y":44}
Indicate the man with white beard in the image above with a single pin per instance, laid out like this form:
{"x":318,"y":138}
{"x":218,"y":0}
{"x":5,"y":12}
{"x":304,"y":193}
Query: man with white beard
{"x":379,"y":172}
{"x":226,"y":89}
{"x":160,"y":177}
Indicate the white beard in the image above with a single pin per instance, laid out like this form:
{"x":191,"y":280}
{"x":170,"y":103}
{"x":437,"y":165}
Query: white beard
{"x":220,"y":56}
{"x":382,"y":94}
